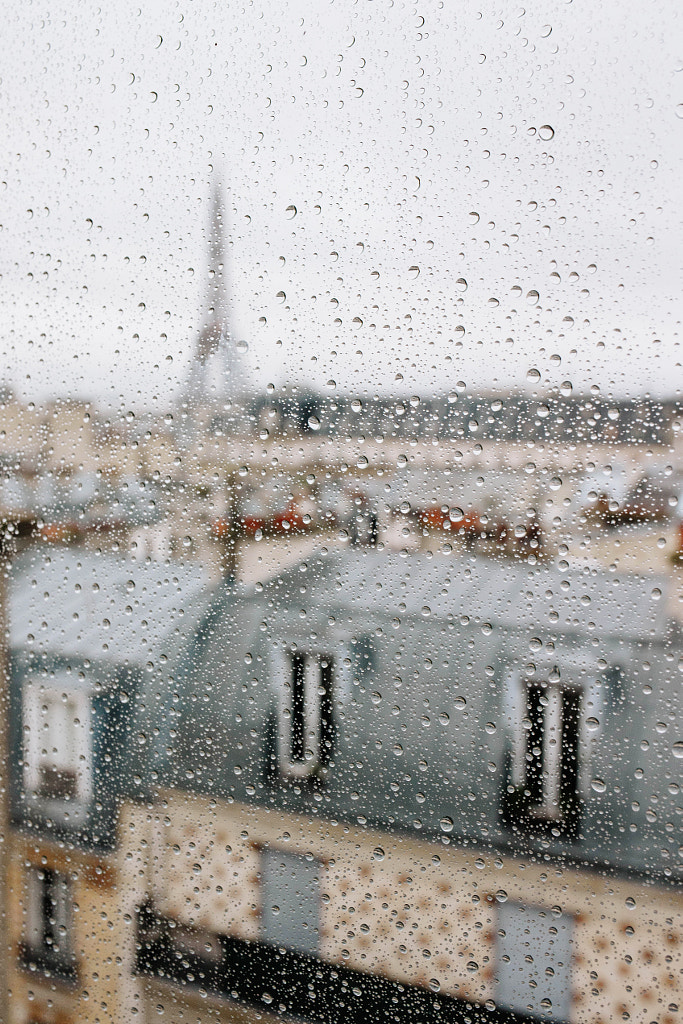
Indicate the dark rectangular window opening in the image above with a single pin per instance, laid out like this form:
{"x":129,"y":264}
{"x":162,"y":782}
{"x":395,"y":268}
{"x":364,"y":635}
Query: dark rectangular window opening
{"x":57,"y":783}
{"x":48,"y":943}
{"x":298,"y":719}
{"x":535,"y":745}
{"x":305,"y":743}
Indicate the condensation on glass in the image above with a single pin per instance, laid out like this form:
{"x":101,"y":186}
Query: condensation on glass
{"x":341,"y":481}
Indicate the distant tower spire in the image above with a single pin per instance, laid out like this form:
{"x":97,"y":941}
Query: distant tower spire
{"x":216,"y":376}
{"x":216,"y":302}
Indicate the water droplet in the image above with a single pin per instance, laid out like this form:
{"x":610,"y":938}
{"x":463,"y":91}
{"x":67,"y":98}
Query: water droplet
{"x":446,"y":824}
{"x":677,"y":749}
{"x":598,"y":785}
{"x":378,"y":853}
{"x":532,"y":296}
{"x":592,"y":724}
{"x":242,"y":346}
{"x":566,"y":388}
{"x":281,"y":296}
{"x":546,"y":132}
{"x":291,"y":212}
{"x":533,"y":375}
{"x":461,"y":284}
{"x":314,"y":422}
{"x":414,"y":272}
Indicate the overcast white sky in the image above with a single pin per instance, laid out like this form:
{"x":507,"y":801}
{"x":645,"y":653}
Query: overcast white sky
{"x":409,"y":138}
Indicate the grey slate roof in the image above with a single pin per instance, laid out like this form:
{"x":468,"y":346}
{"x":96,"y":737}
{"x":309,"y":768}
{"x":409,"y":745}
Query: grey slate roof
{"x":71,"y":603}
{"x":427,"y":654}
{"x":592,"y":602}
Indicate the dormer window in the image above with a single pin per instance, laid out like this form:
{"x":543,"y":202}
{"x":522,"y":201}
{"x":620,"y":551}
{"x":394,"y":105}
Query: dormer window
{"x":305,"y":725}
{"x":56,"y":743}
{"x":543,"y":790}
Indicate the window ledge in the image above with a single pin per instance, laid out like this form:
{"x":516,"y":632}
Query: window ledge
{"x":54,"y":966}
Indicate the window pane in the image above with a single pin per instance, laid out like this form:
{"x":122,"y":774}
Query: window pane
{"x":290,"y":894}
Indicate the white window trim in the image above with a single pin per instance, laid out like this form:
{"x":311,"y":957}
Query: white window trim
{"x":312,"y":713}
{"x":35,"y":693}
{"x":550,"y":808}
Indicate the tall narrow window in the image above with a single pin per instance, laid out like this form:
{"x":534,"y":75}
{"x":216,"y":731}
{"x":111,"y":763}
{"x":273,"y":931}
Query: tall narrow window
{"x":48,"y":936}
{"x":306,"y":727}
{"x":543,"y":790}
{"x":57,"y":743}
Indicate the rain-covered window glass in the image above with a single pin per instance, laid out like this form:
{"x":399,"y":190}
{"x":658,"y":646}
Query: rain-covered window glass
{"x":341,"y":512}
